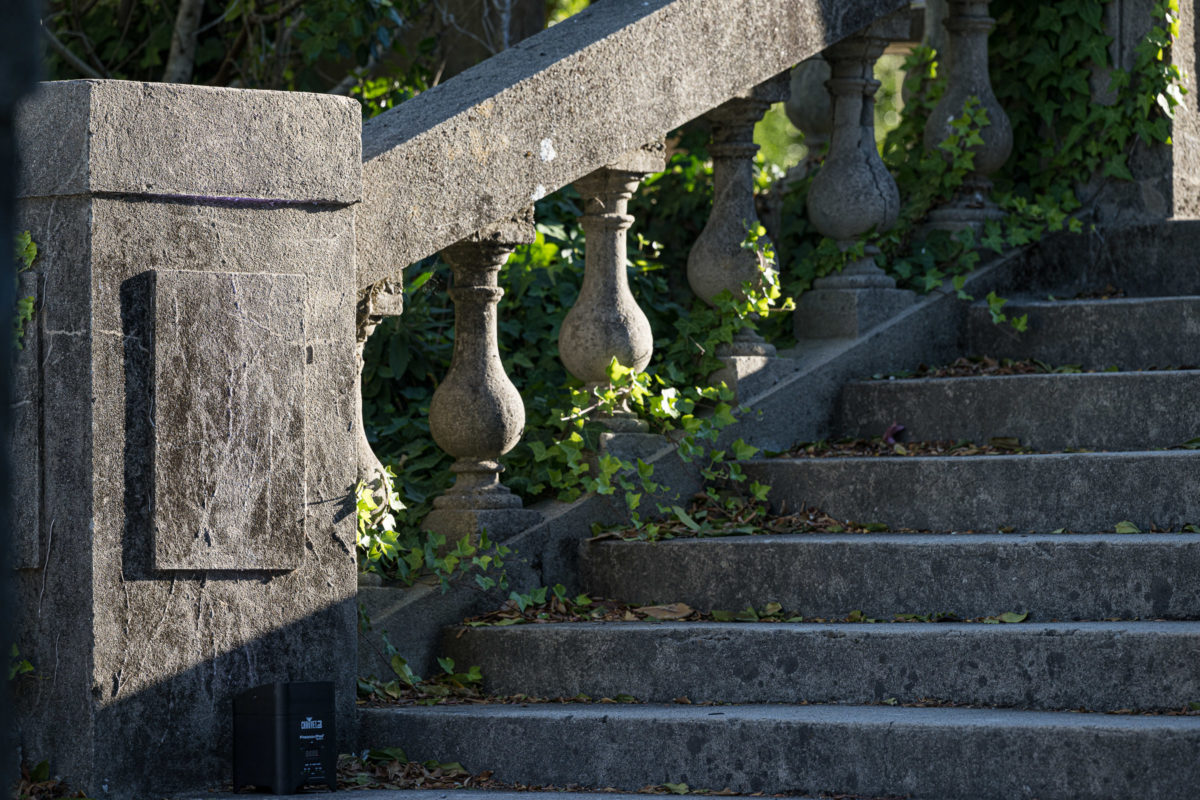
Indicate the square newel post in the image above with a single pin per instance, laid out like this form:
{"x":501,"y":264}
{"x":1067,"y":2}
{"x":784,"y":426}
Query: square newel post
{"x":853,"y":194}
{"x":476,"y":414}
{"x":195,"y":365}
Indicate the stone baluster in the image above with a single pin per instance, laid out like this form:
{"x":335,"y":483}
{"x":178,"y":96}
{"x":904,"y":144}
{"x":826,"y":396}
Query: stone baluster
{"x":606,"y":322}
{"x":383,"y":299}
{"x":934,"y":33}
{"x":968,"y":25}
{"x":718,"y":262}
{"x":853,"y":194}
{"x":476,"y":414}
{"x":809,"y":108}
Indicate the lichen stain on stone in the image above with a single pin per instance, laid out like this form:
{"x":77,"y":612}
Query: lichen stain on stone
{"x":546,"y":150}
{"x":538,"y":193}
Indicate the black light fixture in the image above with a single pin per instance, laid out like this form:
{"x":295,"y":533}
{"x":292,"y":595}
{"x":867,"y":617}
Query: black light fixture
{"x":284,"y":737}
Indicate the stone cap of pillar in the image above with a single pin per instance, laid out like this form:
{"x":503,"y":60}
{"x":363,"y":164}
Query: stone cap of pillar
{"x":176,"y":140}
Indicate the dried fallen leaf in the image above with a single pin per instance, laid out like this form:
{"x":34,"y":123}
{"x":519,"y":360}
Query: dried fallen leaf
{"x":667,"y":612}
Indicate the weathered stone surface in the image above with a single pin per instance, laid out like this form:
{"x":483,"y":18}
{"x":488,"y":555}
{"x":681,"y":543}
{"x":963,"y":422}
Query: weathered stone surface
{"x":1038,"y":665}
{"x":476,"y":414}
{"x":24,"y":440}
{"x":1076,"y":491}
{"x":748,"y":376}
{"x":1094,"y":334}
{"x":717,"y":261}
{"x":846,"y":313}
{"x":412,"y":618}
{"x":1053,"y":576}
{"x":1166,"y":177}
{"x":461,"y":794}
{"x":1105,"y":411}
{"x":606,"y":322}
{"x":772,"y":748}
{"x":138,"y":665}
{"x":809,"y":106}
{"x":854,"y":193}
{"x":1142,"y":260}
{"x":228,"y":409}
{"x":927,"y":332}
{"x":566,"y":102}
{"x":968,"y":25}
{"x":164,"y":140}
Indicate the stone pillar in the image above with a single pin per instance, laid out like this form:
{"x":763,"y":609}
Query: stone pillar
{"x":476,"y":414}
{"x":605,"y":322}
{"x":380,"y":300}
{"x":968,"y":25}
{"x":195,"y":341}
{"x":1166,"y":177}
{"x":853,"y":194}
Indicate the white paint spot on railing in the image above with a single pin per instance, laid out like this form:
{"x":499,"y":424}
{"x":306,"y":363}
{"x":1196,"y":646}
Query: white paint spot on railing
{"x":538,"y":193}
{"x":547,"y":151}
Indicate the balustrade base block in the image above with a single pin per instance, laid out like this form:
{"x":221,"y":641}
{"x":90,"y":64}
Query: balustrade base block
{"x":745,"y":375}
{"x":957,"y":218}
{"x":501,"y":523}
{"x":847,"y":313}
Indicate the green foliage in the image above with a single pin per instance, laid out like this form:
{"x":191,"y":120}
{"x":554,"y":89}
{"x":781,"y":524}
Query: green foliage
{"x":278,"y":44}
{"x":1044,"y":67}
{"x":17,"y":666}
{"x":26,"y":254}
{"x":1041,"y":66}
{"x":558,"y":10}
{"x":408,"y":553}
{"x":407,"y":685}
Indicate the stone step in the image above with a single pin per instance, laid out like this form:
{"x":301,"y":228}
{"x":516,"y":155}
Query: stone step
{"x":945,"y":753}
{"x":1098,"y":666}
{"x":452,"y":794}
{"x":1045,"y":492}
{"x":1054,"y":577}
{"x":1105,"y":411}
{"x":1129,"y":333}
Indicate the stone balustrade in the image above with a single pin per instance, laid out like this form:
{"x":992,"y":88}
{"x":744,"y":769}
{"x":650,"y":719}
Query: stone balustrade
{"x":215,"y":272}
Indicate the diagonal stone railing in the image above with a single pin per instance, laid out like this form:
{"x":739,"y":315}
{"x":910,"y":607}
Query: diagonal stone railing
{"x":566,"y":102}
{"x":580,"y":102}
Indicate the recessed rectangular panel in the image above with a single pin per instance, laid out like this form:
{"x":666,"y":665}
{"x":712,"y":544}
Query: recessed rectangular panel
{"x":229,"y":465}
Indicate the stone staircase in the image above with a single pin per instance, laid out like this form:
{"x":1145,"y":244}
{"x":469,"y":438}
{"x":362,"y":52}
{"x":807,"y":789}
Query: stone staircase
{"x":921,"y":709}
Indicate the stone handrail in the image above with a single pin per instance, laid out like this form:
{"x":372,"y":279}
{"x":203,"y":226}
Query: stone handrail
{"x":566,"y":102}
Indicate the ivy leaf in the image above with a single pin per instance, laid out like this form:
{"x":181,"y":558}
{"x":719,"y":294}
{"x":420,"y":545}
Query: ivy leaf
{"x":1116,"y":167}
{"x":685,"y":518}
